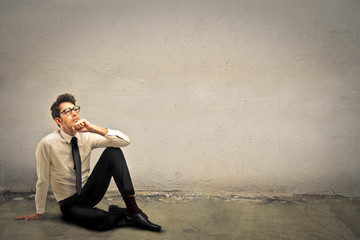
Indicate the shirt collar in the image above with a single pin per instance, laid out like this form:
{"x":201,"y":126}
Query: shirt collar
{"x":68,"y":137}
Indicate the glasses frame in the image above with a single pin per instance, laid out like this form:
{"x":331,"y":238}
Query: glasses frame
{"x":72,"y":109}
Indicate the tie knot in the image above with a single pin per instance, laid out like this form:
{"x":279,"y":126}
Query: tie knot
{"x":74,"y":140}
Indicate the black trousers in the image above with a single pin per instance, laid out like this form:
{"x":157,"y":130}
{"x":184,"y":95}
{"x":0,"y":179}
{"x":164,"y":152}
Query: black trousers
{"x":79,"y":208}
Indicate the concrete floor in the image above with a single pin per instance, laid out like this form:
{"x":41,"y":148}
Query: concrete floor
{"x":200,"y":217}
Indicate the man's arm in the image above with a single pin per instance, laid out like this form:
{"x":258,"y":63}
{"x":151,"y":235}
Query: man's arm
{"x":85,"y":126}
{"x":113,"y":138}
{"x":42,"y":185}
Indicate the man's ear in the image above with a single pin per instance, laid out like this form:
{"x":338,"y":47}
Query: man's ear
{"x":58,"y":121}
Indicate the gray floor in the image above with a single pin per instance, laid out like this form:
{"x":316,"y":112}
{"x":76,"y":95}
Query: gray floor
{"x":200,"y":217}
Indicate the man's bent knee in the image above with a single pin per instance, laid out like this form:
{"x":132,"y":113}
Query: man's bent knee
{"x":113,"y":152}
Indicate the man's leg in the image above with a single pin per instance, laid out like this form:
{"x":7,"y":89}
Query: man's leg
{"x":116,"y":165}
{"x":112,"y":163}
{"x":80,"y":208}
{"x":93,"y":218}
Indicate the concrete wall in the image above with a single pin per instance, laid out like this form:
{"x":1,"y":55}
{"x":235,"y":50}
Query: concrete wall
{"x":255,"y":97}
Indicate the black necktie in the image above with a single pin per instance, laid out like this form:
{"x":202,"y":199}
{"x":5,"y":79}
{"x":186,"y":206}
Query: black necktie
{"x":77,"y":163}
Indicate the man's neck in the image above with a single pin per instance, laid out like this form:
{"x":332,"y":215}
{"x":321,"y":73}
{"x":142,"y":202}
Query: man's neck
{"x":69,"y":132}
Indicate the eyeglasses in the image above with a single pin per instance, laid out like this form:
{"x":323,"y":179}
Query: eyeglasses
{"x":69,"y":110}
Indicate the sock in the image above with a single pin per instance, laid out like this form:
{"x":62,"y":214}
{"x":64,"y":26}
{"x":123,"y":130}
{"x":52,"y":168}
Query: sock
{"x":131,"y":205}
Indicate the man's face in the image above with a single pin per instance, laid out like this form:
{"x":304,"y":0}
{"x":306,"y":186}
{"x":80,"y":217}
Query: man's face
{"x":67,"y":121}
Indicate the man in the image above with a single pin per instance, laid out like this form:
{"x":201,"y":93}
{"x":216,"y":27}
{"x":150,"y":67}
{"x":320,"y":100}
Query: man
{"x":63,"y":159}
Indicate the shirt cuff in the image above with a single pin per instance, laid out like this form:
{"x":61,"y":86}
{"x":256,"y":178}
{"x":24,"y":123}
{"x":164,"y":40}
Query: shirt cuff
{"x":40,"y":210}
{"x":112,"y":132}
{"x":118,"y":134}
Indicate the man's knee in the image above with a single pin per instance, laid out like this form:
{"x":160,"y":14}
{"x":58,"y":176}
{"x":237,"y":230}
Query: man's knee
{"x":113,"y":153}
{"x":113,"y":150}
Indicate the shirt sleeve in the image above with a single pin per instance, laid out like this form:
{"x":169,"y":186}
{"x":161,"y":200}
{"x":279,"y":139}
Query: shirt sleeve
{"x":114,"y":138}
{"x":43,"y":173}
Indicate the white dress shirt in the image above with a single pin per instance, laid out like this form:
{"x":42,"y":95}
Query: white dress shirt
{"x":55,"y":165}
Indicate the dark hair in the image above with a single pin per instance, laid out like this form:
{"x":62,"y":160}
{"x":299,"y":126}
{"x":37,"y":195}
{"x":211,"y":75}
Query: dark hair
{"x":55,"y":109}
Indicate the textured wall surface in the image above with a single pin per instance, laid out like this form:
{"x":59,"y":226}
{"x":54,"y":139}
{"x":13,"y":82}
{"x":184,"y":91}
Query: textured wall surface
{"x":249,"y":96}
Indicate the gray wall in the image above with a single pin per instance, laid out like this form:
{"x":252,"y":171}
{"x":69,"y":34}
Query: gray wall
{"x":253,"y":97}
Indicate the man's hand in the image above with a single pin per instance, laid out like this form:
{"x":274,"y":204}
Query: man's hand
{"x":85,"y":126}
{"x":34,"y":216}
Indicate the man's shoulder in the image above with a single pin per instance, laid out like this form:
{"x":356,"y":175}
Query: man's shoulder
{"x":54,"y":136}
